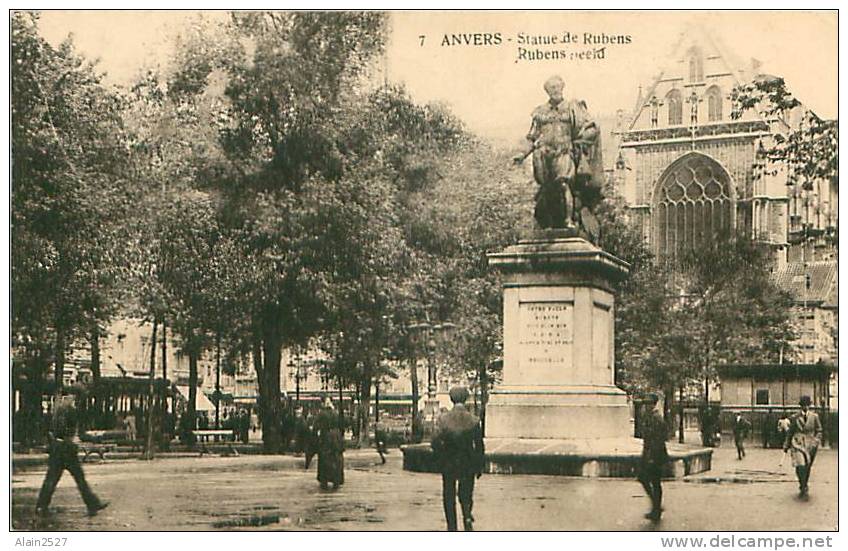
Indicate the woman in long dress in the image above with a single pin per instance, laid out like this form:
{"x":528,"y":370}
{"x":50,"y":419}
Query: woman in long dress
{"x":330,"y":447}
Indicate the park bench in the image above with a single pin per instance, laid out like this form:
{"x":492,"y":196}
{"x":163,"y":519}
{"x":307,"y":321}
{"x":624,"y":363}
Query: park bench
{"x":203,"y":436}
{"x":100,"y":442}
{"x":91,"y":449}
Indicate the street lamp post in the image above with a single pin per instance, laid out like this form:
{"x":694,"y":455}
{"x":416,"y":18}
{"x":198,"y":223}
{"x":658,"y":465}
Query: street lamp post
{"x":218,"y":381}
{"x":297,"y":384}
{"x":293,"y":369}
{"x":432,"y":383}
{"x":431,"y":405}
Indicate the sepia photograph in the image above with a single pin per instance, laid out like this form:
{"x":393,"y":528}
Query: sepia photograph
{"x":418,"y":271}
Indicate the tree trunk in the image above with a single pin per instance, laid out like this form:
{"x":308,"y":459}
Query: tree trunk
{"x":218,"y":381}
{"x":377,"y":402}
{"x":94,"y":341}
{"x":167,"y":418}
{"x":341,"y":406}
{"x":484,"y":398}
{"x":149,"y":444}
{"x":680,"y":437}
{"x":31,"y":425}
{"x":413,"y":376}
{"x":356,"y":414}
{"x":95,"y":353}
{"x":191,"y":408}
{"x":164,"y":350}
{"x":365,"y":405}
{"x":269,"y":389}
{"x":667,"y":399}
{"x":256,"y":356}
{"x":59,"y":359}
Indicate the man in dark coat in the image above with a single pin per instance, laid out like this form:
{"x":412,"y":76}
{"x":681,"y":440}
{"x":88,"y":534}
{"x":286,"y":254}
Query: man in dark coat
{"x":381,"y":441}
{"x":654,"y":456}
{"x":203,"y":423}
{"x":802,"y":441}
{"x":741,"y":428}
{"x":458,"y":448}
{"x":244,"y":426}
{"x":330,"y":448}
{"x":64,"y":454}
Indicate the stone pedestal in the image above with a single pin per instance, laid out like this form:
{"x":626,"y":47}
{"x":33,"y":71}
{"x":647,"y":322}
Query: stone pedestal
{"x":558,"y":410}
{"x":558,"y":379}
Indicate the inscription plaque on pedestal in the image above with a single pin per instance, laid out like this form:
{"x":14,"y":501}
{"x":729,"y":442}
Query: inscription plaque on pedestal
{"x":545,"y":335}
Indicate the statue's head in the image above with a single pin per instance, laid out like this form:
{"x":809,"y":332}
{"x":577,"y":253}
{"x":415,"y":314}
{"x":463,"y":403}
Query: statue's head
{"x":554,"y":87}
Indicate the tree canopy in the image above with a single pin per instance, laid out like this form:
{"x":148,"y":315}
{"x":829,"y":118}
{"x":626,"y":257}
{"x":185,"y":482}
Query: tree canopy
{"x":265,"y":190}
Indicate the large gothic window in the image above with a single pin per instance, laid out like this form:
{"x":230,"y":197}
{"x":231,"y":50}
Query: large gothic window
{"x":714,"y":103}
{"x":674,"y":100}
{"x":692,"y":203}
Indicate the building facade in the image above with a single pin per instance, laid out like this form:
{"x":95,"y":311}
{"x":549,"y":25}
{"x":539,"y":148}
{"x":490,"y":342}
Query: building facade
{"x":690,"y":170}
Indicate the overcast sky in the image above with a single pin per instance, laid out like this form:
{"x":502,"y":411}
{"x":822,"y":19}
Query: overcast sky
{"x":484,"y":85}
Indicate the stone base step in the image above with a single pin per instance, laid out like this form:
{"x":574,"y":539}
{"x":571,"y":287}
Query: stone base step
{"x":602,"y":457}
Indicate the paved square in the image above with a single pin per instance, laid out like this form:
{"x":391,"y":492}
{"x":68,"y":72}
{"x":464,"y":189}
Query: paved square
{"x":254,"y":492}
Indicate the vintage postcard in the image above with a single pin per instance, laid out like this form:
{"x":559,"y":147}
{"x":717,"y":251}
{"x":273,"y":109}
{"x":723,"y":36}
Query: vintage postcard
{"x":424,"y":271}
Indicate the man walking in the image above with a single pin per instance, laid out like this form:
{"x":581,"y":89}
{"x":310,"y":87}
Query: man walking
{"x":458,"y":448}
{"x":654,"y":456}
{"x":741,"y":428}
{"x":802,"y":441}
{"x":64,"y":454}
{"x":380,"y":441}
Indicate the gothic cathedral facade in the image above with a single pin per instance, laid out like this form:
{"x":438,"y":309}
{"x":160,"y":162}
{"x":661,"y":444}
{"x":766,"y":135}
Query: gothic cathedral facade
{"x":689,"y":170}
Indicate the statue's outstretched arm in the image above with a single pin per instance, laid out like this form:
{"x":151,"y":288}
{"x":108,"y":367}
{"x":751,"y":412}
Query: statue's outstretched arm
{"x":530,"y":143}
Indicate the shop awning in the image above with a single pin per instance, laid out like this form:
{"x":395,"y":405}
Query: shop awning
{"x":201,"y":403}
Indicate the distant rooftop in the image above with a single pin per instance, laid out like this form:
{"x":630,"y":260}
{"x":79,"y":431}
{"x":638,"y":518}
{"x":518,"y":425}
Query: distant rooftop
{"x":823,"y":274}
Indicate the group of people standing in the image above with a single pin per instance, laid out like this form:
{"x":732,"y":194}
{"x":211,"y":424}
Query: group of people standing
{"x":239,"y":421}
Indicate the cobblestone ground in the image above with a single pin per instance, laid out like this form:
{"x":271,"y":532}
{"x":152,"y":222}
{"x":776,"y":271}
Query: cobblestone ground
{"x":275,"y":493}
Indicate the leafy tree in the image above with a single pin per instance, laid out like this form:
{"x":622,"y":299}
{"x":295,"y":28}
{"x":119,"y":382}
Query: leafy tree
{"x":733,"y":311}
{"x":805,"y":142}
{"x":69,"y":200}
{"x":185,"y":266}
{"x":489,"y":211}
{"x":403,"y":145}
{"x":643,"y":324}
{"x":278,"y":127}
{"x":676,"y":322}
